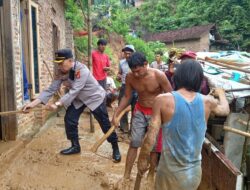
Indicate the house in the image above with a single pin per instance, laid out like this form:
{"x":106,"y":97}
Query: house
{"x":196,"y":38}
{"x":30,"y":33}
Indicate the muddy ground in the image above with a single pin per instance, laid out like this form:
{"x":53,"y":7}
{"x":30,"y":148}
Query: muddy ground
{"x":36,"y":163}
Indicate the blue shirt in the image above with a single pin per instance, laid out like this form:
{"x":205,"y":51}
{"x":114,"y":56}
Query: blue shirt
{"x":184,"y":135}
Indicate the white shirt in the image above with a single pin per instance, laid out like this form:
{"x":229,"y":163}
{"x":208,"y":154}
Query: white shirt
{"x":162,"y":66}
{"x":111,"y":83}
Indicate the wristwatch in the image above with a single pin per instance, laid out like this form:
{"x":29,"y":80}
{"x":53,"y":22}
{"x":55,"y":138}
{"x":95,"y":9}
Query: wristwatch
{"x":58,"y":103}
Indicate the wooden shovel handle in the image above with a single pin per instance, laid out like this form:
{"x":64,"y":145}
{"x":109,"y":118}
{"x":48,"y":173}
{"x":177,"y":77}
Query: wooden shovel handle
{"x":137,"y":182}
{"x":19,"y":111}
{"x":110,"y":131}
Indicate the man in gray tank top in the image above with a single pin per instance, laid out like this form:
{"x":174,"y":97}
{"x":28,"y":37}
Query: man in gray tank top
{"x":122,"y":73}
{"x":182,"y":115}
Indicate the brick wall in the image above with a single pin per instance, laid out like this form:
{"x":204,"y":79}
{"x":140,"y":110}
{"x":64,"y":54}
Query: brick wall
{"x":69,"y":36}
{"x":50,"y":12}
{"x":193,"y":45}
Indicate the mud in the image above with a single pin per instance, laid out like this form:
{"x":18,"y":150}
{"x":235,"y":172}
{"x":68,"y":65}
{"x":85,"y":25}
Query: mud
{"x":38,"y":165}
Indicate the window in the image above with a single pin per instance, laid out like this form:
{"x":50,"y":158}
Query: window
{"x":30,"y":49}
{"x":35,"y":49}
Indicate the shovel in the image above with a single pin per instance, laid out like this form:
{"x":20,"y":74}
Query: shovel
{"x":110,"y":131}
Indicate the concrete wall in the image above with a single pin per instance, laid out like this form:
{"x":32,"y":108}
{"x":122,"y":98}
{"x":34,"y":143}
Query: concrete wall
{"x":50,"y":11}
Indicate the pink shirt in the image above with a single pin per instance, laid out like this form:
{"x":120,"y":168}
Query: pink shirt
{"x":99,"y":61}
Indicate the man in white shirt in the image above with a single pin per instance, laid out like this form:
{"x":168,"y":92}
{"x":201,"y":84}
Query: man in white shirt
{"x":158,"y":63}
{"x":111,"y":92}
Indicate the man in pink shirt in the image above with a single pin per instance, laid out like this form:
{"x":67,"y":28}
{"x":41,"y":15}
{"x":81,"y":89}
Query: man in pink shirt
{"x":101,"y":63}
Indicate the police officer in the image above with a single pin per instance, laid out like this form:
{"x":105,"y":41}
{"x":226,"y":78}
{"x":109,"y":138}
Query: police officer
{"x":84,"y":91}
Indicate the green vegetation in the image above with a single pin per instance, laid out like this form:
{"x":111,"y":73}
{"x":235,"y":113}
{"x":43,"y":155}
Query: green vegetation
{"x":231,"y":16}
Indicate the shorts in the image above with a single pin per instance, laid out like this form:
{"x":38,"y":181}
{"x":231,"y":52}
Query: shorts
{"x":140,"y":123}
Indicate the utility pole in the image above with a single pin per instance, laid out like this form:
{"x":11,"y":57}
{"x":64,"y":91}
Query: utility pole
{"x":89,"y":34}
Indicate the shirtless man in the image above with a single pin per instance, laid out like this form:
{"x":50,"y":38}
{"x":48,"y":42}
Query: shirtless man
{"x":183,"y":116}
{"x":148,"y":83}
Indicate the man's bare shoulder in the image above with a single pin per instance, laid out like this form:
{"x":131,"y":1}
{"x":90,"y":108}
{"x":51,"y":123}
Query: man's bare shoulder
{"x":129,"y":76}
{"x":209,"y":100}
{"x":159,"y":74}
{"x":155,"y":71}
{"x":163,"y":99}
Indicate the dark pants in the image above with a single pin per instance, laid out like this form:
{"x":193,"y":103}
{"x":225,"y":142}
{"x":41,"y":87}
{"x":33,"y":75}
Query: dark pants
{"x":133,"y":100}
{"x":101,"y":115}
{"x":103,"y":83}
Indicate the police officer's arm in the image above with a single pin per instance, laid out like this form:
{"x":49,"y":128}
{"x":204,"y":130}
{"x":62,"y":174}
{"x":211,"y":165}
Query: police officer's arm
{"x":45,"y":95}
{"x":125,"y":99}
{"x":77,"y":85}
{"x":164,"y":82}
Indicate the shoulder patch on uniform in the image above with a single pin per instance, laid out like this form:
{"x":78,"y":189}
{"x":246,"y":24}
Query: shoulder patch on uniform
{"x":78,"y":74}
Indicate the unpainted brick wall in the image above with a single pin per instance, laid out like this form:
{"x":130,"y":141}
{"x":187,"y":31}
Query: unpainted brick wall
{"x":50,"y":12}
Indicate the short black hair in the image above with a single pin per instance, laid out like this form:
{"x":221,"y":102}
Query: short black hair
{"x":137,"y":59}
{"x":102,"y":42}
{"x":189,"y":75}
{"x":159,"y":53}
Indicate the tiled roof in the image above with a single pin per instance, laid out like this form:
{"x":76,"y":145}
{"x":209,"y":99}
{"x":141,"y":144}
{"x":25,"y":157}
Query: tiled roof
{"x":179,"y":35}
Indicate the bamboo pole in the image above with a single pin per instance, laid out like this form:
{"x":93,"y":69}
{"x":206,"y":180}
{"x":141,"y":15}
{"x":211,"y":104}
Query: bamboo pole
{"x":242,"y":122}
{"x":210,"y":60}
{"x":230,"y":62}
{"x":237,"y":131}
{"x":92,"y":127}
{"x":236,"y":89}
{"x":89,"y":25}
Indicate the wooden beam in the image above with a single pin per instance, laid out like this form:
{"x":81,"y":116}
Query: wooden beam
{"x":10,"y":123}
{"x":210,"y":60}
{"x":237,"y":131}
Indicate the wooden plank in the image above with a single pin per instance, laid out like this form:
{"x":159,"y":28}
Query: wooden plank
{"x":218,"y":173}
{"x":9,"y":73}
{"x":25,"y":42}
{"x":1,"y":69}
{"x":34,"y":5}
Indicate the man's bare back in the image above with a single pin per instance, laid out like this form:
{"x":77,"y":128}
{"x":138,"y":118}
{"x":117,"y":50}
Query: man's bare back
{"x":149,"y":86}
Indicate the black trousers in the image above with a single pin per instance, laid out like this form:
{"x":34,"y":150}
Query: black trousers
{"x":72,"y":117}
{"x":103,"y":83}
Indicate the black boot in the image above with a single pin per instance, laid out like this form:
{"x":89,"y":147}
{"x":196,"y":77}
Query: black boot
{"x":116,"y":153}
{"x":74,"y":149}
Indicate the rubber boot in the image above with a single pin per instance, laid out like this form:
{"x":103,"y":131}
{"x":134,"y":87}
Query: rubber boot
{"x":116,"y":153}
{"x":74,"y":149}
